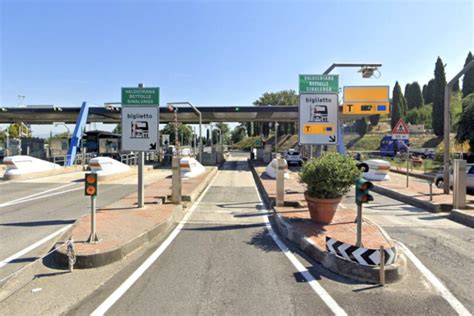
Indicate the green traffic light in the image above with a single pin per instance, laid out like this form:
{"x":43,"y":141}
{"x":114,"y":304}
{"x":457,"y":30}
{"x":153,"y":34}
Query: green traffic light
{"x":237,"y":109}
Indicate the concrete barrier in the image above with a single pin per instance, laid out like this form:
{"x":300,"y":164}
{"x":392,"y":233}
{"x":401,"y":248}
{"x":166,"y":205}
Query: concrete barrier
{"x":191,"y":168}
{"x":271,"y":169}
{"x":26,"y":167}
{"x":106,"y":167}
{"x":378,"y":170}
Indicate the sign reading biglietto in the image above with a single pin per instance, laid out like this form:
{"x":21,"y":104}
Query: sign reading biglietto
{"x":318,"y":119}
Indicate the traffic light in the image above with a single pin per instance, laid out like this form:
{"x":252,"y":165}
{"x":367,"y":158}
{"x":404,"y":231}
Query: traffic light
{"x":363,"y":188}
{"x":91,"y":184}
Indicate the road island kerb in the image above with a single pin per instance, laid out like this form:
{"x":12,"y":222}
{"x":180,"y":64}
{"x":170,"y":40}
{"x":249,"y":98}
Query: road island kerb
{"x":138,"y":227}
{"x":292,"y":221}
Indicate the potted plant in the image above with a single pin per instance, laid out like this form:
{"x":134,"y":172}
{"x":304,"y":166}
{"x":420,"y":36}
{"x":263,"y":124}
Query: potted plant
{"x":327,"y":178}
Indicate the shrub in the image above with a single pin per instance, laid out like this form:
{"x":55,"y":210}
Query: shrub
{"x":329,"y":176}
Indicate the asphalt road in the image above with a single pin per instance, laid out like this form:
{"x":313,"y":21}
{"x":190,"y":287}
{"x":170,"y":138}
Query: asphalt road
{"x":35,"y":209}
{"x":224,"y":261}
{"x":445,"y":247}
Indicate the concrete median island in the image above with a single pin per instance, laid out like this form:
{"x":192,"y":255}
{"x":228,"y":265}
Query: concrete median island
{"x":123,"y":228}
{"x":332,"y":245}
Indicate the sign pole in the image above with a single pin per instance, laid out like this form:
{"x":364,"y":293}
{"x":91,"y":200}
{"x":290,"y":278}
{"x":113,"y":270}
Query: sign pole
{"x":93,"y":238}
{"x":141,"y":174}
{"x":408,"y":164}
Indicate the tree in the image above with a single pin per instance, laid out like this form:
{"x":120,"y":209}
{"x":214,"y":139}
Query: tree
{"x":456,"y":86}
{"x":374,"y":119}
{"x":237,"y":134}
{"x":398,"y":105}
{"x":361,"y":126}
{"x":428,"y":92}
{"x":468,"y":80}
{"x":465,"y":126}
{"x":414,"y":97}
{"x":407,"y":91}
{"x":438,"y":99}
{"x":117,"y":129}
{"x":281,"y":98}
{"x":185,"y":133}
{"x":224,"y":128}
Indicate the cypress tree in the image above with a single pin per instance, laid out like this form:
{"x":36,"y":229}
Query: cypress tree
{"x":398,"y":105}
{"x":456,"y":86}
{"x":416,"y":98}
{"x":424,"y":91}
{"x":428,"y":94}
{"x":407,"y":91}
{"x":468,"y":80}
{"x":438,"y":99}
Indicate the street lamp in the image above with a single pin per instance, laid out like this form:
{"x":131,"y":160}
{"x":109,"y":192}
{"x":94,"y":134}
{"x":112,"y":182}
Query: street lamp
{"x":171,"y":104}
{"x":367,"y":71}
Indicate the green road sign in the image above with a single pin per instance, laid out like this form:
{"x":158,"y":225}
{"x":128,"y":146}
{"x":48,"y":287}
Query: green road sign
{"x":319,"y":83}
{"x":141,"y":96}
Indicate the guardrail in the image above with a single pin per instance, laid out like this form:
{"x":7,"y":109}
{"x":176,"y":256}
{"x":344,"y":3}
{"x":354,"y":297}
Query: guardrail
{"x":81,"y":159}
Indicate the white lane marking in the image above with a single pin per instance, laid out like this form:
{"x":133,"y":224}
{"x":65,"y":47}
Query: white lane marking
{"x":33,"y":246}
{"x":322,"y":293}
{"x":39,"y":197}
{"x":36,"y":194}
{"x":439,"y":286}
{"x":125,"y":286}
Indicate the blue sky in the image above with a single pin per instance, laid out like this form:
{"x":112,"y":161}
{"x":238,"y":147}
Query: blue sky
{"x":218,"y":52}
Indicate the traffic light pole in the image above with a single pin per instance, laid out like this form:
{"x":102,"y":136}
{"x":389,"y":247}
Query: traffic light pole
{"x":359,"y":225}
{"x":93,"y":238}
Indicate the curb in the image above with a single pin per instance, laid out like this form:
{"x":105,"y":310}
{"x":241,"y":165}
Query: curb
{"x":461,"y":217}
{"x":352,"y":270}
{"x":101,"y":259}
{"x":426,"y":205}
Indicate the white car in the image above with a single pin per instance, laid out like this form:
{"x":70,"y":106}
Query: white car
{"x":469,"y":178}
{"x":293,"y":157}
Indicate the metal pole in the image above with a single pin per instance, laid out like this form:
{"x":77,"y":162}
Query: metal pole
{"x":141,"y":184}
{"x":200,"y":137}
{"x":382,"y":266}
{"x":141,"y":175}
{"x":93,"y":238}
{"x":276,"y":138}
{"x":82,"y":150}
{"x":447,"y":99}
{"x":408,"y":163}
{"x":359,"y":225}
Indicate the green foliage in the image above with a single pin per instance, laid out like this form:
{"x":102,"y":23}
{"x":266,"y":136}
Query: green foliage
{"x":456,"y":86}
{"x":438,"y":98}
{"x":225,"y":133}
{"x":15,"y":128}
{"x":361,"y":126}
{"x":398,"y":105}
{"x":281,"y":98}
{"x":468,"y":80}
{"x":117,"y":129}
{"x":414,"y":96}
{"x":407,"y":91}
{"x":465,"y":126}
{"x":421,"y":115}
{"x":428,"y":92}
{"x":237,"y":134}
{"x":329,"y":176}
{"x":185,"y":133}
{"x":247,"y":143}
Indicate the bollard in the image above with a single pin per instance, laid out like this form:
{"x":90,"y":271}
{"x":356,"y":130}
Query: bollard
{"x":459,"y":184}
{"x":280,"y":182}
{"x":71,"y":255}
{"x":176,"y":181}
{"x":382,"y":266}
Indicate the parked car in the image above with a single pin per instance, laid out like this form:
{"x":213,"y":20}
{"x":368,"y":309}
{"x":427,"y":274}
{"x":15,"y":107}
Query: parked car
{"x":439,"y":181}
{"x":293,"y":157}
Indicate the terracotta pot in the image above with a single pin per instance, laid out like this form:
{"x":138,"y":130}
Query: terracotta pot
{"x":322,"y":211}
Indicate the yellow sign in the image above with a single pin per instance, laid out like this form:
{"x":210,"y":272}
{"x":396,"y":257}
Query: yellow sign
{"x":325,"y":129}
{"x":367,"y":100}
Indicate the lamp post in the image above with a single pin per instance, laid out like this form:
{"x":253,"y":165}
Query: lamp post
{"x":367,"y":71}
{"x":200,"y":122}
